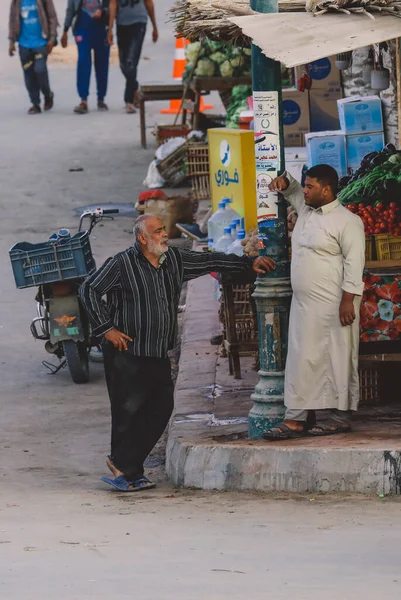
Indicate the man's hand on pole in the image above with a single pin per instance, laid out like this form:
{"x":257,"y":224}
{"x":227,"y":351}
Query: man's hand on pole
{"x":118,"y":339}
{"x":263,"y":265}
{"x":279,"y":184}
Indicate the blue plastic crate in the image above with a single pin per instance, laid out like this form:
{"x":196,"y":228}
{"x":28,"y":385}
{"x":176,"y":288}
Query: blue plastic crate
{"x":36,"y":264}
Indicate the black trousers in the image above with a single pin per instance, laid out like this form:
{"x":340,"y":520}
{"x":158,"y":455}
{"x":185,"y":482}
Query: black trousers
{"x":142,"y":397}
{"x":130,"y":41}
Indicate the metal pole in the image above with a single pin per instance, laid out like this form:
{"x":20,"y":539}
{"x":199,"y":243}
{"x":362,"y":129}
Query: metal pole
{"x":273,"y":291}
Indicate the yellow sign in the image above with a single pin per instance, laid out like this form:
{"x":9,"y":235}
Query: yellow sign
{"x":233,"y":171}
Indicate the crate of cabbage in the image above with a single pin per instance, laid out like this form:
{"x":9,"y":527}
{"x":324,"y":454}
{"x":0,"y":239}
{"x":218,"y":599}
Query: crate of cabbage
{"x":215,"y":59}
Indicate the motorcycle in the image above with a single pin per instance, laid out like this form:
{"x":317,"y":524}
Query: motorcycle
{"x":58,"y":267}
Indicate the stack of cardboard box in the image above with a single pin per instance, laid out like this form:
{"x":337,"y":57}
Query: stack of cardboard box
{"x":361,"y":120}
{"x":361,"y":132}
{"x":315,"y":110}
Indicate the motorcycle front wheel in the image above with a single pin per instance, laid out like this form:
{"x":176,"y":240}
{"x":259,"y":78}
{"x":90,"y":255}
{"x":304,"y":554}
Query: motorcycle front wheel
{"x":76,"y":354}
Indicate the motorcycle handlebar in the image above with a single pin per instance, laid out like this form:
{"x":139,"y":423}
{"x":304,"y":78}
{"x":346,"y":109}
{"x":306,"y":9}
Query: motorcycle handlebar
{"x":110,"y":211}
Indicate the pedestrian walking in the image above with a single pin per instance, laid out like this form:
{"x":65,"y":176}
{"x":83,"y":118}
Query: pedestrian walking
{"x":139,"y":325}
{"x":132,"y":17}
{"x":89,"y":20}
{"x":328,"y":257}
{"x":33,"y":25}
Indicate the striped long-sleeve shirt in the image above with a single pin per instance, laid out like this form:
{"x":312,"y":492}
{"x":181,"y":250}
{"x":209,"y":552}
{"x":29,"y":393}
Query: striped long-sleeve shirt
{"x":142,"y":301}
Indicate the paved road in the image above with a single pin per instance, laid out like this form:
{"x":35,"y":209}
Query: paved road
{"x":62,"y":535}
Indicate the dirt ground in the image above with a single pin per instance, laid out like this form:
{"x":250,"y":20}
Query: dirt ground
{"x":62,"y":533}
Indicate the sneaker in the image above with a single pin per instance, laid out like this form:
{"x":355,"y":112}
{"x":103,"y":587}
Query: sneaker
{"x":34,"y":110}
{"x":102,"y":106}
{"x":48,"y":104}
{"x":82,"y":108}
{"x":130,"y":109}
{"x":138,"y":97}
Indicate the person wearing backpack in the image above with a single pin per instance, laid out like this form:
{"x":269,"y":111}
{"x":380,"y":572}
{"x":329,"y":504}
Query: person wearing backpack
{"x":88,"y":20}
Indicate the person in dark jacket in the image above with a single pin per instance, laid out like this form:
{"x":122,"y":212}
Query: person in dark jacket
{"x":33,"y":24}
{"x":88,"y":19}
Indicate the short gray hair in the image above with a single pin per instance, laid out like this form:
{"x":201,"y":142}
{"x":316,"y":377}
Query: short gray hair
{"x":140,"y":225}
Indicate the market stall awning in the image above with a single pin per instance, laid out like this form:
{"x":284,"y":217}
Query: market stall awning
{"x":298,"y":38}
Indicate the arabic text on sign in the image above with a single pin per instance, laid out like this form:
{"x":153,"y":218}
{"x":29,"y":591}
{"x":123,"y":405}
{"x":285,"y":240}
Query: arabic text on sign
{"x":222,"y":177}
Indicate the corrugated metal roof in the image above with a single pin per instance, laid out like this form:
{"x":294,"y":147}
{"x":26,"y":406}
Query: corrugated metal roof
{"x":298,"y":38}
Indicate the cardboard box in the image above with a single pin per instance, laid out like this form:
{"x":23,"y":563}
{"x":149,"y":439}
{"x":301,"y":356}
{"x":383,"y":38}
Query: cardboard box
{"x":295,"y":117}
{"x":328,"y":148}
{"x":360,"y":145}
{"x":323,"y":108}
{"x":360,"y":114}
{"x":295,"y":161}
{"x":323,"y":72}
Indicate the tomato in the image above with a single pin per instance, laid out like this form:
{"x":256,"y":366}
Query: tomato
{"x":393,"y":205}
{"x":383,"y":227}
{"x":379,"y":206}
{"x":361,"y":205}
{"x":370,"y":221}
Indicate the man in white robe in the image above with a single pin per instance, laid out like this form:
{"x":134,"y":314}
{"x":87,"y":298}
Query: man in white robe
{"x":328,"y":257}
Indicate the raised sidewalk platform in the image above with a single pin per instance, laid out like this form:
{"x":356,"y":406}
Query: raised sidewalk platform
{"x":208,"y":446}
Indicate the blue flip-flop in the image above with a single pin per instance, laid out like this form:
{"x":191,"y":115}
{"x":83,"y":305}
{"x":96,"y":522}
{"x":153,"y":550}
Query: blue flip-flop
{"x":123,"y":485}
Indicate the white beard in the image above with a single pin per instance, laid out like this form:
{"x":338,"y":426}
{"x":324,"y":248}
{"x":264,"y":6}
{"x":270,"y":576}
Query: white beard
{"x":156,"y":249}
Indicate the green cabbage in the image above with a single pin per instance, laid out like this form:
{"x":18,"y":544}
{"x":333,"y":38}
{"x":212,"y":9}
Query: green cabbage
{"x":226,"y":70}
{"x":205,"y":68}
{"x":218,"y":57}
{"x":238,"y":61}
{"x":192,"y":51}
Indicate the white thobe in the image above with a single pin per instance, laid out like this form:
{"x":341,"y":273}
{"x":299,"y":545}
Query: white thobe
{"x":328,"y":257}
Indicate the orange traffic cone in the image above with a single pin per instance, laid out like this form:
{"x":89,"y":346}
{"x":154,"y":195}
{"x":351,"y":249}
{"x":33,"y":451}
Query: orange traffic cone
{"x":180,"y":62}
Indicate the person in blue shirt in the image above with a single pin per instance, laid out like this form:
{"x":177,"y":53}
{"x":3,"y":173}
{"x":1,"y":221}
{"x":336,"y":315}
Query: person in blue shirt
{"x":88,"y":19}
{"x":33,"y":24}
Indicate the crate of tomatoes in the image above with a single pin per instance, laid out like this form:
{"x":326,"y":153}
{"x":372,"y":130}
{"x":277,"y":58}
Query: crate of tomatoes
{"x":373,"y":193}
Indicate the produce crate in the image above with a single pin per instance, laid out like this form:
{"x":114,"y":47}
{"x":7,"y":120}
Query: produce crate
{"x":174,"y":167}
{"x":388,"y":246}
{"x":368,"y":247}
{"x":47,"y":262}
{"x":198,"y":170}
{"x":165,"y":132}
{"x":369,"y":385}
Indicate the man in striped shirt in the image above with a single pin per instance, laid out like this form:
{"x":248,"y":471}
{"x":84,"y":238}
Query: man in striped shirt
{"x":139,"y":325}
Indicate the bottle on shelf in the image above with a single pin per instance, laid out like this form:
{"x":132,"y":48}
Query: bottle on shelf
{"x":217,"y":222}
{"x":236,"y":247}
{"x":224,"y":242}
{"x":230,"y":212}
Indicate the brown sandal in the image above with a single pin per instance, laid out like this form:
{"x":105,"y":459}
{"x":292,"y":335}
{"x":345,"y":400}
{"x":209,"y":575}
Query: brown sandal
{"x":329,"y":428}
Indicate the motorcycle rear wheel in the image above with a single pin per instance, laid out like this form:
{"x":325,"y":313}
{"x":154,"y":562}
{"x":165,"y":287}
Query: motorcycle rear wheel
{"x":76,"y":354}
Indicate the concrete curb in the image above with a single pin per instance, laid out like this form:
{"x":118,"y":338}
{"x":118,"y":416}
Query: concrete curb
{"x":197,"y":458}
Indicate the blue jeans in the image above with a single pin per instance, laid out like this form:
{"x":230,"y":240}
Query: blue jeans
{"x":34,"y":65}
{"x":130,"y":41}
{"x":90,"y":34}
